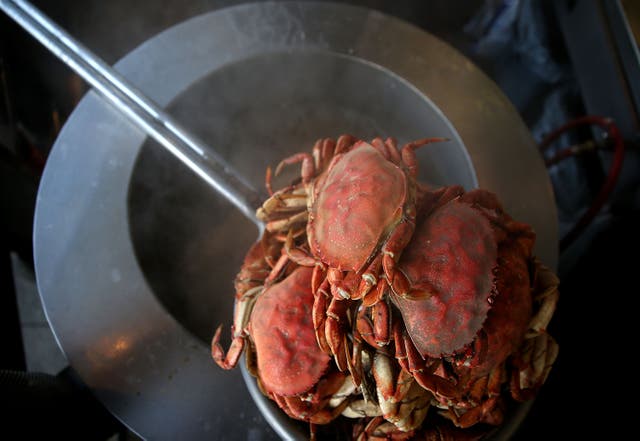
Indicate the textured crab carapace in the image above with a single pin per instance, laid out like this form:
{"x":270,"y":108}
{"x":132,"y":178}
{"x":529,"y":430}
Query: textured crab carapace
{"x":288,"y":357}
{"x":475,"y":262}
{"x":362,"y":211}
{"x":450,"y":263}
{"x":348,"y":222}
{"x":273,"y":324}
{"x":361,"y":208}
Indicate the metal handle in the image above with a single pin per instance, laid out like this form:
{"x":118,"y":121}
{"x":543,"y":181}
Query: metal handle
{"x":204,"y":161}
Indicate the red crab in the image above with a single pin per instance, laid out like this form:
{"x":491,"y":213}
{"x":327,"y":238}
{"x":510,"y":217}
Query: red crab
{"x":459,"y":256}
{"x":449,"y":265}
{"x":275,"y":324}
{"x":361,"y":215}
{"x":523,"y":371}
{"x":361,"y":209}
{"x":470,"y":263}
{"x":483,"y":374}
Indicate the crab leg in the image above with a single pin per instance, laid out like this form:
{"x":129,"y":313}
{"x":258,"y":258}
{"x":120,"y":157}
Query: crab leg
{"x":230,"y":360}
{"x":243,"y":308}
{"x":398,"y":340}
{"x":533,"y":364}
{"x":342,"y":286}
{"x":415,"y":362}
{"x":423,"y":373}
{"x":281,"y":224}
{"x":297,"y":255}
{"x":335,"y":326}
{"x":256,"y":266}
{"x":267,"y":181}
{"x":283,"y":201}
{"x":354,"y":361}
{"x":402,"y":402}
{"x":319,"y":279}
{"x":392,"y":149}
{"x":409,"y":155}
{"x":295,"y":233}
{"x":377,"y":294}
{"x":546,"y":295}
{"x":402,"y":287}
{"x":319,"y":311}
{"x":369,"y":278}
{"x":496,"y":378}
{"x":308,"y":170}
{"x":378,"y":429}
{"x":391,"y":387}
{"x":290,"y":200}
{"x":483,"y":402}
{"x":364,"y":326}
{"x":380,"y":146}
{"x":413,"y":408}
{"x":345,"y":143}
{"x":325,"y":416}
{"x":395,"y":244}
{"x":277,"y":269}
{"x":315,"y":406}
{"x":381,"y":322}
{"x":361,"y":409}
{"x":323,"y":151}
{"x":487,"y":412}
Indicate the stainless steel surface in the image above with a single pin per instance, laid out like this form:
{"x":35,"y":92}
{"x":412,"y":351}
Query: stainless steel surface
{"x":202,"y":160}
{"x":135,"y":256}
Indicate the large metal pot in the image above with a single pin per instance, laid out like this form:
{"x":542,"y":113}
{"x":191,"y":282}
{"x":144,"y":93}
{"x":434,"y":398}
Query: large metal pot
{"x":135,"y":256}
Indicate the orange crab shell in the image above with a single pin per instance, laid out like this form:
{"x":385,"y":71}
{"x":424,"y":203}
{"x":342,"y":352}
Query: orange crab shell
{"x":353,"y":189}
{"x":512,"y":309}
{"x":289,"y":359}
{"x":451,"y":257}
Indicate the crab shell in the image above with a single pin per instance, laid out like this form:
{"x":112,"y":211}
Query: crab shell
{"x":289,"y":360}
{"x":353,"y":188}
{"x":509,"y":317}
{"x":464,"y":255}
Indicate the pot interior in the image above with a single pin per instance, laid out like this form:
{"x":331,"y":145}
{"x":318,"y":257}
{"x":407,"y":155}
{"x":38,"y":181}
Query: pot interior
{"x":190,"y":242}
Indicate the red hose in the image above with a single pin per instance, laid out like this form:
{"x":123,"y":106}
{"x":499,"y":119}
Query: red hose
{"x":612,"y":176}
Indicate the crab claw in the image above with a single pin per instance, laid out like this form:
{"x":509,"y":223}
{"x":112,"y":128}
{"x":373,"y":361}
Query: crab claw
{"x":230,"y":360}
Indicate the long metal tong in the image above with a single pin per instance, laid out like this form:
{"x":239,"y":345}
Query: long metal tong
{"x":141,"y":110}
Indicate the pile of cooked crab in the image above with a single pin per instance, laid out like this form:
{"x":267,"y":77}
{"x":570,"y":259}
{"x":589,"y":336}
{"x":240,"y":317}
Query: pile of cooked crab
{"x":409,"y":311}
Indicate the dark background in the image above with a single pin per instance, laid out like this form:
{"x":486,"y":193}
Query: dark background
{"x":554,"y":60}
